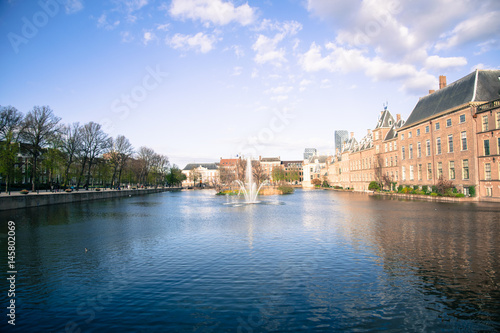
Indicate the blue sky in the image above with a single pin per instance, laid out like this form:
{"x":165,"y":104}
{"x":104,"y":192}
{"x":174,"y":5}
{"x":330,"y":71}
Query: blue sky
{"x":201,"y":79}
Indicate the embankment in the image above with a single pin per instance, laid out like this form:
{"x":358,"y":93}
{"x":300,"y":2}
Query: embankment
{"x":34,"y":200}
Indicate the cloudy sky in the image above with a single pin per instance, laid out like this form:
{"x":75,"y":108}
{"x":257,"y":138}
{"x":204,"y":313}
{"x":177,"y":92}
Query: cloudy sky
{"x":201,"y":79}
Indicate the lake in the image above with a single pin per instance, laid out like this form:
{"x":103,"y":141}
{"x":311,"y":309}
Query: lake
{"x":311,"y":261}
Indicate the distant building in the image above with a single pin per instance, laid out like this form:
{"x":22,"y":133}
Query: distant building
{"x":340,"y":137}
{"x":268,"y":164}
{"x":309,"y":152}
{"x":200,"y":173}
{"x":293,"y":166}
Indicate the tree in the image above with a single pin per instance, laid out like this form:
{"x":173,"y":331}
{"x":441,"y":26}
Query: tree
{"x":120,"y":152}
{"x":71,"y":146}
{"x":278,"y":174}
{"x":10,"y":125}
{"x":316,"y":181}
{"x":227,"y":176}
{"x":259,"y":176}
{"x":444,"y":186}
{"x":175,"y":176}
{"x":95,"y":142}
{"x":379,"y":173}
{"x":145,"y":157}
{"x":374,"y":186}
{"x":38,"y":127}
{"x":194,"y":176}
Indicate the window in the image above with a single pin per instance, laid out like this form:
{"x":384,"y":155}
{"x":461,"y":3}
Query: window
{"x":402,"y":136}
{"x":486,"y":147}
{"x":410,"y":151}
{"x":498,"y":146}
{"x":409,"y":135}
{"x":464,"y":140}
{"x":437,"y":126}
{"x":429,"y":171}
{"x":386,"y":162}
{"x":489,"y":192}
{"x":485,"y":124}
{"x":411,"y":172}
{"x":419,"y":150}
{"x":403,"y":173}
{"x":391,"y":161}
{"x":390,"y":146}
{"x":498,"y":119}
{"x":462,"y":118}
{"x":448,"y":122}
{"x":385,"y":147}
{"x":452,"y":169}
{"x":395,"y":160}
{"x":376,"y":135}
{"x":419,"y":171}
{"x":418,"y":132}
{"x":439,"y":170}
{"x":396,"y":175}
{"x":487,"y":171}
{"x":465,"y":169}
{"x":450,"y":143}
{"x":438,"y":146}
{"x":426,"y":129}
{"x":403,"y":153}
{"x":395,"y":145}
{"x":428,"y":148}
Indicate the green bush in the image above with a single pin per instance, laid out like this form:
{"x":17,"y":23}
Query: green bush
{"x":434,"y":194}
{"x":419,"y":192}
{"x":472,"y":190}
{"x":374,"y":186}
{"x":285,"y":189}
{"x":425,"y":188}
{"x":415,"y":187}
{"x":400,"y":188}
{"x":459,"y":195}
{"x":434,"y":189}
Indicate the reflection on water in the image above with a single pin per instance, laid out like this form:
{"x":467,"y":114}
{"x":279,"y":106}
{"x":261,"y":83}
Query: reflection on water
{"x":311,"y":261}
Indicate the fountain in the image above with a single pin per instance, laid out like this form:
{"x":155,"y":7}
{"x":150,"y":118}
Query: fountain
{"x":249,"y":189}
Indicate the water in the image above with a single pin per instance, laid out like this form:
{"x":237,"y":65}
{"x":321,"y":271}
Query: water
{"x":311,"y":261}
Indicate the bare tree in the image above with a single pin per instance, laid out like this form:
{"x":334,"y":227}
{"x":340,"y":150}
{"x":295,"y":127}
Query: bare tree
{"x":120,"y":151}
{"x":10,"y":125}
{"x":145,"y":157}
{"x":95,"y":142}
{"x":259,"y":175}
{"x":71,"y":146}
{"x":39,"y":125}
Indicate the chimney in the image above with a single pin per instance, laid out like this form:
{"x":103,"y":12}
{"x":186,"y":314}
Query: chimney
{"x":442,"y":81}
{"x":432,"y":91}
{"x":398,"y":117}
{"x":352,"y":134}
{"x":369,"y":131}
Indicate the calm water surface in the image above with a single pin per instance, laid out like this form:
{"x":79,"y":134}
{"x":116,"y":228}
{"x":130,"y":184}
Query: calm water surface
{"x":312,"y":261}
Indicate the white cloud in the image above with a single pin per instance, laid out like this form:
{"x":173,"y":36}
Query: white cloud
{"x":126,"y":37}
{"x":217,"y":12}
{"x":304,"y":84}
{"x":437,"y":62}
{"x":344,"y":60}
{"x":102,"y":22}
{"x":266,"y":48}
{"x":237,"y":70}
{"x":163,"y":27}
{"x":481,"y":27}
{"x":280,"y":90}
{"x":200,"y":42}
{"x":73,"y":6}
{"x":148,"y":37}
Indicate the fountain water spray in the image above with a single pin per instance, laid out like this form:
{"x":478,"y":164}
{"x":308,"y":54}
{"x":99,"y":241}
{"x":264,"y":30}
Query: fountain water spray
{"x":249,"y":189}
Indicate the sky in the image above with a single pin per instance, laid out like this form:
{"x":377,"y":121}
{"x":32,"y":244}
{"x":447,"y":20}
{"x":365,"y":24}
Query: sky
{"x":197,"y":80}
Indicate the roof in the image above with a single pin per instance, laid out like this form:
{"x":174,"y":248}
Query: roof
{"x":385,"y":120}
{"x":209,"y":166}
{"x":478,"y":86}
{"x":270,"y":159}
{"x":286,"y":163}
{"x":393,"y":132}
{"x":321,"y":159}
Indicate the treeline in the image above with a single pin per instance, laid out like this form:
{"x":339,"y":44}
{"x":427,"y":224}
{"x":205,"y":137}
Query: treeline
{"x":37,"y":149}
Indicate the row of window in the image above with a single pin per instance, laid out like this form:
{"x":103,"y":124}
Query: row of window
{"x":439,"y":171}
{"x":437,"y":126}
{"x":485,"y":122}
{"x":463,"y":141}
